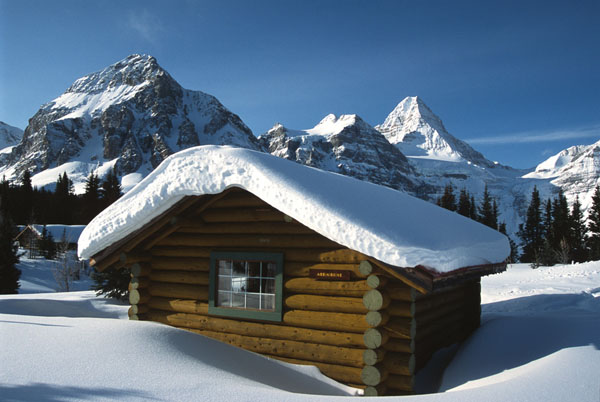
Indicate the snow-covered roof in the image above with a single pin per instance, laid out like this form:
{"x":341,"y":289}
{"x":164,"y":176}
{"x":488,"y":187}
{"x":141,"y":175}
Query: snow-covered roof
{"x":378,"y":221}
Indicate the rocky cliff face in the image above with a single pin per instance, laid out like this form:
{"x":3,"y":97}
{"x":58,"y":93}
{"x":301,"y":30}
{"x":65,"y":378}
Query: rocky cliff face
{"x":9,"y":135}
{"x":346,"y":145}
{"x":132,"y":114}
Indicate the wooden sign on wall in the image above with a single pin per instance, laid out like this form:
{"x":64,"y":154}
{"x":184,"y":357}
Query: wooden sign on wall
{"x":330,"y":274}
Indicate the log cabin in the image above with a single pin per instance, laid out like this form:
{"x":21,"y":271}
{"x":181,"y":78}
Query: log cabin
{"x":297,"y":264}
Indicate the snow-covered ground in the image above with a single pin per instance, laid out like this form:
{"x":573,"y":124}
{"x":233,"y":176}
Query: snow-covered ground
{"x":538,"y":341}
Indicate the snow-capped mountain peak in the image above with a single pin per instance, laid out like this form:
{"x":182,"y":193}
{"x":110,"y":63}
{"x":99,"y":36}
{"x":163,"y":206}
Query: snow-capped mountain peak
{"x":331,"y":124}
{"x":419,"y":133}
{"x":131,"y":115}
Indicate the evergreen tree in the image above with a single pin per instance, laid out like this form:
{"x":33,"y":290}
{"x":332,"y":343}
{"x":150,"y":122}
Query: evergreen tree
{"x":448,"y":199}
{"x":514,"y":250}
{"x":487,"y":215}
{"x":531,"y":233}
{"x":593,"y":240}
{"x":473,"y":209}
{"x":91,"y":198}
{"x":9,"y":273}
{"x":561,"y":223}
{"x":464,"y":203}
{"x":577,"y":240}
{"x":47,"y":245}
{"x":63,"y":200}
{"x":547,"y":255}
{"x":111,"y":188}
{"x":24,"y":202}
{"x":113,"y":283}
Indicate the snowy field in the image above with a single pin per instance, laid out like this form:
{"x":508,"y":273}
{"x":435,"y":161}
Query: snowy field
{"x":539,"y":341}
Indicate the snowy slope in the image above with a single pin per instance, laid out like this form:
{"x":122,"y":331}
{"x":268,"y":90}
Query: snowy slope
{"x":380,"y":222}
{"x":9,"y":136}
{"x":537,"y":343}
{"x":131,"y":115}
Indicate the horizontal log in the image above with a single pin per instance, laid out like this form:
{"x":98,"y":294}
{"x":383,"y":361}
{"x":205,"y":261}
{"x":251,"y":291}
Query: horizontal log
{"x":373,"y":356}
{"x":400,"y":345}
{"x":344,"y":322}
{"x":374,"y":375}
{"x":431,"y":316}
{"x":192,"y":278}
{"x":239,"y":200}
{"x":178,"y":305}
{"x":138,"y":296}
{"x":377,"y":390}
{"x":242,"y":215}
{"x":375,"y":338}
{"x":436,"y":300}
{"x":400,"y":382}
{"x":140,"y":269}
{"x":312,"y":352}
{"x":302,"y":269}
{"x":365,"y":267}
{"x":399,"y":363}
{"x":400,"y":308}
{"x":344,"y":374}
{"x":137,"y":309}
{"x":400,"y":327}
{"x":179,"y":291}
{"x":377,"y":318}
{"x":181,"y":264}
{"x":400,"y":291}
{"x":376,"y":281}
{"x":455,"y":317}
{"x":255,"y":329}
{"x":247,"y":240}
{"x":375,"y":299}
{"x":325,"y":303}
{"x":315,"y":256}
{"x":332,"y":288}
{"x":132,"y":258}
{"x":244,"y":228}
{"x":137,"y":282}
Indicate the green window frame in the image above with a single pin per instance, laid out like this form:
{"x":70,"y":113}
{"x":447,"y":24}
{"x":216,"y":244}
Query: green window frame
{"x":246,"y":285}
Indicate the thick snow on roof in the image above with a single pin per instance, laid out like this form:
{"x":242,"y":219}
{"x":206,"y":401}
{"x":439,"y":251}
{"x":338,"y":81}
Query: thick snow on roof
{"x":378,"y":221}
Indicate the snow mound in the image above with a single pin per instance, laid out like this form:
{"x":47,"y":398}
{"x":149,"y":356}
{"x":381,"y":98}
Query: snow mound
{"x":380,"y":222}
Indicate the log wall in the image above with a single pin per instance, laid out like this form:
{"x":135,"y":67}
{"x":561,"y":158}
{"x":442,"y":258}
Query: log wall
{"x":372,"y":331}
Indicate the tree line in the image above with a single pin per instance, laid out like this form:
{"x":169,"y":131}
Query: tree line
{"x":24,"y":204}
{"x":484,"y":212}
{"x":554,"y":233}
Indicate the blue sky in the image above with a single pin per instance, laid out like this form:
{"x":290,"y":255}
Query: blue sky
{"x":517,"y":80}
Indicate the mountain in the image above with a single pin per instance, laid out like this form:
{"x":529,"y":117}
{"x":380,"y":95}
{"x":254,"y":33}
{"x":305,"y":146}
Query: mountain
{"x":9,"y":136}
{"x":131,"y":115}
{"x":346,"y":145}
{"x":419,"y":133}
{"x":576,"y":170}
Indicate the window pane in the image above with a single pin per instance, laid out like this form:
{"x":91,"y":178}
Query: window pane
{"x":254,"y":269}
{"x":268,"y":286}
{"x":224,"y":267}
{"x":252,"y":300}
{"x":238,"y":300}
{"x":269,"y":269}
{"x":238,"y":284}
{"x":239,"y":268}
{"x":224,"y":283}
{"x":224,"y":299}
{"x":253,"y":285}
{"x":267,"y":302}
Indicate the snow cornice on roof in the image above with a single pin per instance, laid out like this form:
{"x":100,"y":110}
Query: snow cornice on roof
{"x":380,"y":222}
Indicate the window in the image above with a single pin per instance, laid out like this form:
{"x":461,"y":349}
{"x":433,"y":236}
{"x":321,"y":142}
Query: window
{"x":247,"y":285}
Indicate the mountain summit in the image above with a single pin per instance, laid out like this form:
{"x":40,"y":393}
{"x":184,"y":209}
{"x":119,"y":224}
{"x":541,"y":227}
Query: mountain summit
{"x":346,"y":145}
{"x":419,"y":133}
{"x":130,"y":115}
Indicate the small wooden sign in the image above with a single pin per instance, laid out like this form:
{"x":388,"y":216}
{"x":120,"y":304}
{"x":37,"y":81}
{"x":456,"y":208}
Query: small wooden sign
{"x":330,"y":274}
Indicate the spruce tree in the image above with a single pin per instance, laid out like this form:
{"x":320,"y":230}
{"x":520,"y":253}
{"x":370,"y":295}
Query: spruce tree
{"x":593,"y":240}
{"x":577,"y":239}
{"x":113,"y":283}
{"x":9,"y":273}
{"x":464,"y":203}
{"x":487,"y":215}
{"x":91,"y":198}
{"x":531,"y":232}
{"x":448,"y":200}
{"x":561,"y":224}
{"x":111,"y":188}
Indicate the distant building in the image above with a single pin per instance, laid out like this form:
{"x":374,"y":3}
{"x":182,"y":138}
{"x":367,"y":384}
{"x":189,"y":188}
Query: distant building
{"x":29,"y":236}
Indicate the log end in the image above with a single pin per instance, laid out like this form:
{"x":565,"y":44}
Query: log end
{"x":365,"y":268}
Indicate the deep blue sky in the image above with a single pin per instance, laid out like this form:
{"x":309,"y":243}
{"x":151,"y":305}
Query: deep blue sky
{"x":517,"y":80}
